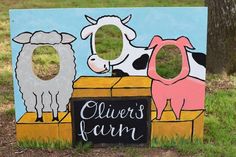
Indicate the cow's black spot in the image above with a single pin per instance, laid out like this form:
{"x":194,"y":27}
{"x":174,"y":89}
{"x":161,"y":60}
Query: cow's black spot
{"x":119,"y":73}
{"x":141,"y":62}
{"x":200,"y":58}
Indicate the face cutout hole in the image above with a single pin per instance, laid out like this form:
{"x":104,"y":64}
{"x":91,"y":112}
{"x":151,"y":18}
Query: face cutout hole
{"x":108,"y":42}
{"x":46,"y":62}
{"x":169,"y":61}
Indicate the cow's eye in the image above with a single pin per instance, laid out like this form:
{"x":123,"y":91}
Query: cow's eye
{"x":46,"y":62}
{"x":169,"y":61}
{"x":108,"y":42}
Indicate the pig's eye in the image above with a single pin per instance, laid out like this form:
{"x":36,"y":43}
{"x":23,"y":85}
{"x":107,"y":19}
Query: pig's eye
{"x":108,"y":42}
{"x":169,"y":61}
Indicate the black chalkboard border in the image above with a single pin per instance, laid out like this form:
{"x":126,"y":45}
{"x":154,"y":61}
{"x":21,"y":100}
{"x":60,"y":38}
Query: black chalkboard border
{"x":102,"y":145}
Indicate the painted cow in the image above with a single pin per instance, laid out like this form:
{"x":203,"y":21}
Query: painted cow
{"x":184,"y":91}
{"x":133,"y":59}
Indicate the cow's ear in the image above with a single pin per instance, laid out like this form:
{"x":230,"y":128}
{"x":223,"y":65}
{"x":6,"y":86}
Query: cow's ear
{"x":185,"y":42}
{"x":129,"y":33}
{"x":67,"y":38}
{"x":23,"y":38}
{"x":155,"y":41}
{"x":87,"y":31}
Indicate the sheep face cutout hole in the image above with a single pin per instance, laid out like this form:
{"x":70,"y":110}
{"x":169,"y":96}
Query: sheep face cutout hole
{"x":45,"y":95}
{"x":169,"y":61}
{"x":101,"y":59}
{"x":46,"y":62}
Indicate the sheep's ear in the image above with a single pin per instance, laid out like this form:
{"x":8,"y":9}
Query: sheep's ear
{"x":23,"y":38}
{"x":90,"y":19}
{"x":155,"y":41}
{"x":67,"y":38}
{"x":185,"y":42}
{"x":127,"y":19}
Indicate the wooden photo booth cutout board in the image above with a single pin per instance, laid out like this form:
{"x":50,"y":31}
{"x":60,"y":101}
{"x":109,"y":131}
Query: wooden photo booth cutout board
{"x":118,"y":101}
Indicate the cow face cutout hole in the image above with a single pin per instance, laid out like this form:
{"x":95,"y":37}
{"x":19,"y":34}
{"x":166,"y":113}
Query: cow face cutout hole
{"x":108,"y":42}
{"x":169,"y":61}
{"x":45,"y":61}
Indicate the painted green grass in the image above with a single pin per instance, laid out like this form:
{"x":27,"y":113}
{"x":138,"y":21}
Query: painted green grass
{"x":80,"y":148}
{"x":53,"y":144}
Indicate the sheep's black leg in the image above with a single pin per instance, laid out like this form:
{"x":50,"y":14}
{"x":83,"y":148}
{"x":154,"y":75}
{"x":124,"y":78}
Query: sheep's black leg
{"x":39,"y":107}
{"x":55,"y":119}
{"x":55,"y":107}
{"x":39,"y":119}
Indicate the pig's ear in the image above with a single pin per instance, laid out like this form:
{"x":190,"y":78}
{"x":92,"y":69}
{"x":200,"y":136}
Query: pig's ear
{"x":23,"y":38}
{"x":185,"y":42}
{"x":155,"y":41}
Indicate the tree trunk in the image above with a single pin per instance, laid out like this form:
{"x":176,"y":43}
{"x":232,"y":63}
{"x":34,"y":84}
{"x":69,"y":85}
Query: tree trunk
{"x":221,"y":49}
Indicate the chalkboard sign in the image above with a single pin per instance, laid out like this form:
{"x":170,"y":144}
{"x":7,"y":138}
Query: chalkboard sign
{"x":111,"y":120}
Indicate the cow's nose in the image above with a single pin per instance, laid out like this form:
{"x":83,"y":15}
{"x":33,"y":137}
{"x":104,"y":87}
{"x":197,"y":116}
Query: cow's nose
{"x":105,"y":66}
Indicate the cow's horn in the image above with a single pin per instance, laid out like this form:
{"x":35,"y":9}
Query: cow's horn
{"x":90,"y":19}
{"x":126,"y":20}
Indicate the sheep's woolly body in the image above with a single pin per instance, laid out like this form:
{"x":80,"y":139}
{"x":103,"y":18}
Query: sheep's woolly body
{"x":46,"y":95}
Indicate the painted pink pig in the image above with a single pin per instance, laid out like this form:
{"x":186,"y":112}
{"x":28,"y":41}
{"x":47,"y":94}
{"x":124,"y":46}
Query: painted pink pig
{"x":183,"y":91}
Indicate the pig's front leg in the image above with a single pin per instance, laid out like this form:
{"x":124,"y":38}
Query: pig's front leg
{"x":160,"y":103}
{"x":177,"y":105}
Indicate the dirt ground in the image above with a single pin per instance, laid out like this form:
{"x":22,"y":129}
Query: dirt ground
{"x":8,"y":146}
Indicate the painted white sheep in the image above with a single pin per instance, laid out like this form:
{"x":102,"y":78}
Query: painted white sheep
{"x":45,"y":95}
{"x":133,"y":59}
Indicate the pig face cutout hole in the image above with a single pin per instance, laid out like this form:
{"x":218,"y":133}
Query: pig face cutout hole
{"x":45,"y":62}
{"x":108,"y":42}
{"x":169,"y":61}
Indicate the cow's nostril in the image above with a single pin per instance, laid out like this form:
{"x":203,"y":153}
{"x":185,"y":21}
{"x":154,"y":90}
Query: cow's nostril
{"x":105,"y":66}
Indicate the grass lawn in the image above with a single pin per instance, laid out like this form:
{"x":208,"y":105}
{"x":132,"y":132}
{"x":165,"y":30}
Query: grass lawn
{"x":220,"y":119}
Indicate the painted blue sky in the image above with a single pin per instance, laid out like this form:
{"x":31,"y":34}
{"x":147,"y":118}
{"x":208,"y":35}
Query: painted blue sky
{"x":168,"y":22}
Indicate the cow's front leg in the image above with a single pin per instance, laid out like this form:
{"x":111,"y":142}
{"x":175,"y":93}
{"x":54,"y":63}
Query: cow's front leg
{"x":177,"y":105}
{"x":54,"y":106}
{"x":39,"y":107}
